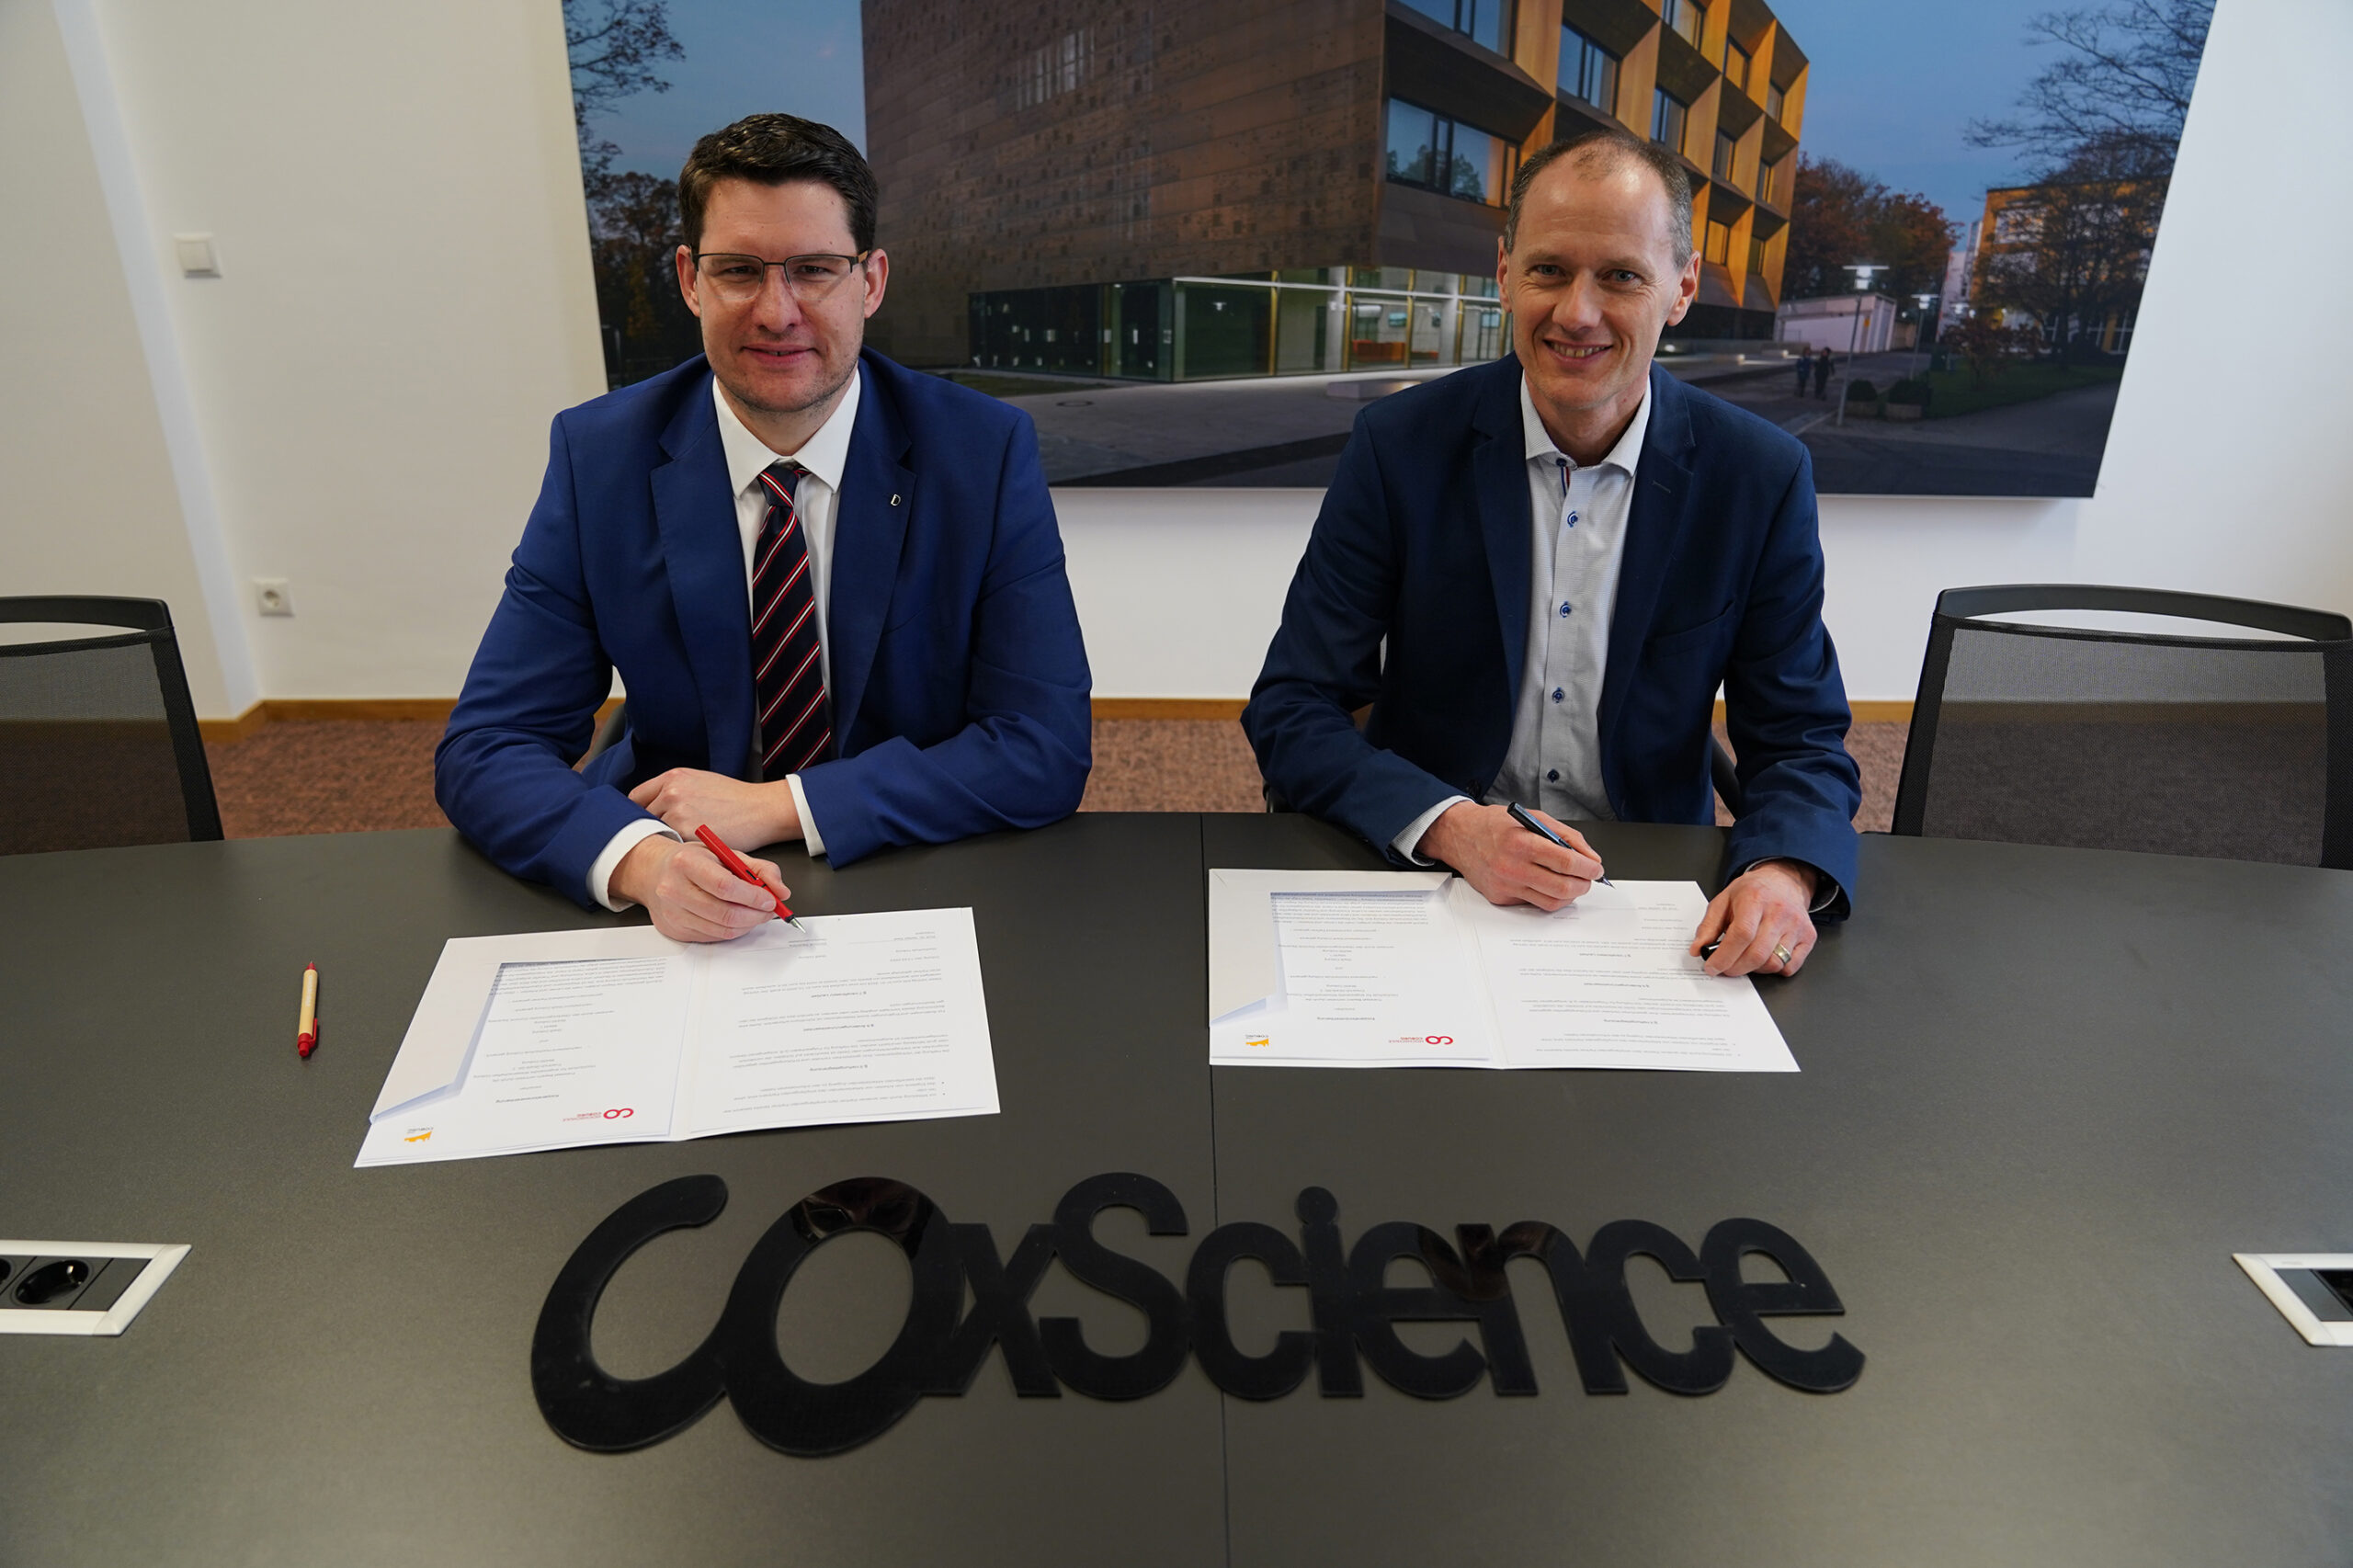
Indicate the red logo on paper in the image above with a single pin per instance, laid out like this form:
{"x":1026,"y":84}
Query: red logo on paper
{"x":616,"y":1115}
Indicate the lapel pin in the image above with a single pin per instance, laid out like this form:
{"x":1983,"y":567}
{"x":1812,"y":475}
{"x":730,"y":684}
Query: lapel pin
{"x":894,"y":500}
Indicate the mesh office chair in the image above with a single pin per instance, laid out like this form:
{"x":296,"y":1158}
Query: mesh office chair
{"x":98,"y":742}
{"x":2236,"y":748}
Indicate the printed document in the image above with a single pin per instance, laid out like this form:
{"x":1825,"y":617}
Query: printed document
{"x":568,"y":1039}
{"x":1387,"y":969}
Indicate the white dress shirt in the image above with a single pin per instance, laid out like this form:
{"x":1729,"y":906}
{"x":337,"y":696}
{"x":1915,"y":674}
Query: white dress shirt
{"x":1577,"y":516}
{"x":824,"y":455}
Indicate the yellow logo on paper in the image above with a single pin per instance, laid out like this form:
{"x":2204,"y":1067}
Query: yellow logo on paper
{"x":418,"y":1137}
{"x":1255,"y":1040}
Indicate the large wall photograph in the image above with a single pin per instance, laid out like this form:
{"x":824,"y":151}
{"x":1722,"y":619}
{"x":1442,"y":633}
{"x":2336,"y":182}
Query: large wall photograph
{"x":1193,"y":238}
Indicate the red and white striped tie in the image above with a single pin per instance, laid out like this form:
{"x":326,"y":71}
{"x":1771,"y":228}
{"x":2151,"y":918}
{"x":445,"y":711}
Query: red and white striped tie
{"x":788,"y":677}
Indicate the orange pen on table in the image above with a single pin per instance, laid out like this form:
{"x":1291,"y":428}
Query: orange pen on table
{"x":306,"y":1027}
{"x":735,"y":862}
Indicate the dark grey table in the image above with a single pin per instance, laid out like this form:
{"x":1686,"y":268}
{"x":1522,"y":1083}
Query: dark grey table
{"x":2046,"y":1093}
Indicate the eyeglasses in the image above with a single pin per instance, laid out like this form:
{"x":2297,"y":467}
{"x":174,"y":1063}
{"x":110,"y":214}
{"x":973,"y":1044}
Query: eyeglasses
{"x":739,"y":279}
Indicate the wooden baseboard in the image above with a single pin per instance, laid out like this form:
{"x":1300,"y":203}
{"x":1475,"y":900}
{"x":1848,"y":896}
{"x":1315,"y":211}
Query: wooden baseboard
{"x":287,"y":710}
{"x":1221,"y":708}
{"x":1867,"y":711}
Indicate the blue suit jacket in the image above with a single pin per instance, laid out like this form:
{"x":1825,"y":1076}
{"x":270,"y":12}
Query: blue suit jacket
{"x":1424,"y":540}
{"x":960,"y":681}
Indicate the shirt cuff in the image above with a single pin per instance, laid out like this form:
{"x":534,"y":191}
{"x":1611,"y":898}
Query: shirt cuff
{"x":1409,"y":843}
{"x":600,"y":870}
{"x":809,"y":834}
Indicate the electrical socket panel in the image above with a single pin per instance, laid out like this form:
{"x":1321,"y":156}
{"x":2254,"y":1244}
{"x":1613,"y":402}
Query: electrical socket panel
{"x":91,"y":1288}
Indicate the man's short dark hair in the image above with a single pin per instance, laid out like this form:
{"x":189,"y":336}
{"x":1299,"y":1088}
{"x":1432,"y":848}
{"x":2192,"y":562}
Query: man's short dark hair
{"x":1602,"y":151}
{"x":776,"y":149}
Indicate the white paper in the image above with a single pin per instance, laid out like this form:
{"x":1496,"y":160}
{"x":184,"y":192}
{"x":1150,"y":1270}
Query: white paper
{"x":1383,"y":969}
{"x":1610,"y":982}
{"x":1365,"y":977}
{"x":858,"y":1017}
{"x":569,"y":1038}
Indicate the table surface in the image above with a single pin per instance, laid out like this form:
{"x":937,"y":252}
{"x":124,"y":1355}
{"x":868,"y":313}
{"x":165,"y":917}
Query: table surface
{"x":2045,"y":1094}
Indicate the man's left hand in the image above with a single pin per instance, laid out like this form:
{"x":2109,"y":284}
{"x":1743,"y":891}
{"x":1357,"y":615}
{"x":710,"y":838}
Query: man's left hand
{"x":1761,"y":915}
{"x":747,"y":816}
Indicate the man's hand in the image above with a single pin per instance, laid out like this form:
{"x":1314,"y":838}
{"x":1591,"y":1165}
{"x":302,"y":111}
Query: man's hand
{"x":747,"y":816}
{"x":1764,"y":909}
{"x":691,"y":896}
{"x":1505,"y":862}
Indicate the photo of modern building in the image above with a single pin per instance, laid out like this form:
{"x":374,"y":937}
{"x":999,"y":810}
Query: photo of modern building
{"x":1211,"y":189}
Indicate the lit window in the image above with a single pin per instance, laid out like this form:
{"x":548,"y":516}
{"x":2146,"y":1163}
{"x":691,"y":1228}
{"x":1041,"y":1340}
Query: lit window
{"x":1588,"y":71}
{"x":1487,"y":22}
{"x":1444,"y":156}
{"x":1668,"y":115}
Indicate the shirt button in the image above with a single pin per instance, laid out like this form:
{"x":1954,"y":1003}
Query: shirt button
{"x":1553,"y":777}
{"x":1557,"y":694}
{"x":1573,"y":519}
{"x":1564,"y":610}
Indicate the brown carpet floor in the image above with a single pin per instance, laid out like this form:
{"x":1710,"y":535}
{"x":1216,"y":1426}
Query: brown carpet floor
{"x":361,"y":776}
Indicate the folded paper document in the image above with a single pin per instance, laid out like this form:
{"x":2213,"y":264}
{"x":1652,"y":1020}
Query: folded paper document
{"x":558,"y":1040}
{"x":1381,"y":969}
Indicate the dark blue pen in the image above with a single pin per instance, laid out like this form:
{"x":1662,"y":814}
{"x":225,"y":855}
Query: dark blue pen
{"x":1541,"y":831}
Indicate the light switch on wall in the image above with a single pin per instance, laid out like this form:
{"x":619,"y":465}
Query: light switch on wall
{"x":198,"y":258}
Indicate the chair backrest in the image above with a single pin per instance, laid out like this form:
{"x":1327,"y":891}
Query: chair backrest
{"x":99,"y":740}
{"x":2237,"y":748}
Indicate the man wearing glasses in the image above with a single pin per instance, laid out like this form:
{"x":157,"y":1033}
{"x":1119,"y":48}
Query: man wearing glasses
{"x":834,"y":588}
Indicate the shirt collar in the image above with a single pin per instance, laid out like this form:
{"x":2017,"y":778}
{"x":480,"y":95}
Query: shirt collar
{"x":825,"y":454}
{"x":1623,"y":456}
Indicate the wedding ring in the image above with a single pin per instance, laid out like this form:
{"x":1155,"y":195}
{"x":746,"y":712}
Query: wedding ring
{"x":1782,"y":953}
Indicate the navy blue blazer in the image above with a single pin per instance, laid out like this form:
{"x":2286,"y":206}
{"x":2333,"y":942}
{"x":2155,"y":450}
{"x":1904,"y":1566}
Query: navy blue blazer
{"x":960,"y":681}
{"x":1424,"y":541}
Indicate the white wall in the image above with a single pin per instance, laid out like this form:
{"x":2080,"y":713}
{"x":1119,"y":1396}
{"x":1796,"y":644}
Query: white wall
{"x":407,"y":300}
{"x":88,"y":500}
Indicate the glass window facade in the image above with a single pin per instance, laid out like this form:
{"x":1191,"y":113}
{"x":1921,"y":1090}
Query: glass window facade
{"x":1719,"y":246}
{"x":1773,"y":101}
{"x":1686,"y":18}
{"x":1669,"y":114}
{"x":1735,"y":64}
{"x":1726,"y":151}
{"x":1487,"y":22}
{"x":1299,"y":322}
{"x":1588,"y":71}
{"x":1429,"y":150}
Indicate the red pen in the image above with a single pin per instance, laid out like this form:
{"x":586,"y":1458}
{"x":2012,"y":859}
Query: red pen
{"x":306,"y":1028}
{"x":735,"y":862}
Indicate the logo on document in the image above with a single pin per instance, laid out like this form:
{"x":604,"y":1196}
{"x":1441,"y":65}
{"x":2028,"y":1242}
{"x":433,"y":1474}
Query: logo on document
{"x":618,"y":1113}
{"x":1423,"y":1040}
{"x":418,"y":1137}
{"x":1255,"y":1040}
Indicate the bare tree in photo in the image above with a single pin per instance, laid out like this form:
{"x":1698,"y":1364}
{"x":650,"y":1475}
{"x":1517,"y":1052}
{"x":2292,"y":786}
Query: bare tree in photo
{"x":2123,"y":81}
{"x":614,"y":47}
{"x":2097,"y":129}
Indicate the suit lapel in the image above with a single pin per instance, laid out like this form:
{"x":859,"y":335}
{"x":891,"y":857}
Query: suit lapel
{"x":1655,"y":524}
{"x":878,"y":496}
{"x":695,"y":510}
{"x":1500,"y":466}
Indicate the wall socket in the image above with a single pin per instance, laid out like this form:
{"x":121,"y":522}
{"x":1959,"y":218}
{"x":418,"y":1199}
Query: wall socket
{"x":273,"y":596}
